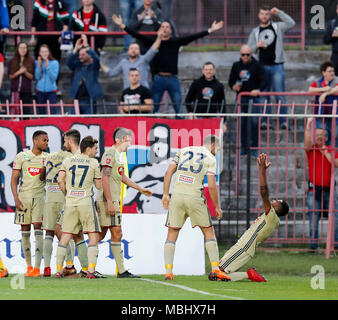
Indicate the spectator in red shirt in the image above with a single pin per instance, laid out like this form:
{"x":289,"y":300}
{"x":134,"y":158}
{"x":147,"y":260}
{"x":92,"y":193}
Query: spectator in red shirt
{"x":319,"y":157}
{"x":327,"y":85}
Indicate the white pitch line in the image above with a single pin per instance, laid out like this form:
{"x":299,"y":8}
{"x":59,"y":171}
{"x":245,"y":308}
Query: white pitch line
{"x":191,"y":289}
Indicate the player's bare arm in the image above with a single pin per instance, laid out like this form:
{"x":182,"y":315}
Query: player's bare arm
{"x":166,"y":184}
{"x":14,"y":187}
{"x":213,"y":192}
{"x":43,"y":170}
{"x":106,"y":173}
{"x":263,"y":164}
{"x":62,"y":181}
{"x":130,"y":183}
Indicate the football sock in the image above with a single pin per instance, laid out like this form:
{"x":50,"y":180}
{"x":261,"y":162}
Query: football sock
{"x":60,"y":257}
{"x":118,"y":255}
{"x":47,"y":249}
{"x":169,"y":252}
{"x":26,"y":247}
{"x":2,"y":266}
{"x":236,"y":276}
{"x":93,"y":251}
{"x":212,"y":249}
{"x":82,"y":254}
{"x":70,"y":253}
{"x":38,"y":247}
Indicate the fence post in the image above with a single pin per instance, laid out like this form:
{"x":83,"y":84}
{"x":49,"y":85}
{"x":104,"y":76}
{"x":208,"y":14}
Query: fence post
{"x":248,"y":163}
{"x":303,"y":7}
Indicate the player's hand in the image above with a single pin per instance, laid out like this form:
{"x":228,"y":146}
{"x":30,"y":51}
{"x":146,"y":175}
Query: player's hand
{"x":146,"y":192}
{"x":263,"y":162}
{"x":165,"y":201}
{"x":19,"y":206}
{"x":219,"y":213}
{"x":111,"y":208}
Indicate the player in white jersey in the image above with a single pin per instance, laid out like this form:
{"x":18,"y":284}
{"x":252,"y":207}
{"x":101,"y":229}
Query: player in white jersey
{"x":243,"y":251}
{"x":191,"y":165}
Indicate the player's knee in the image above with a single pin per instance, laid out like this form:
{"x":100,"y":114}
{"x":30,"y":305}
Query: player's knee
{"x":116,"y":234}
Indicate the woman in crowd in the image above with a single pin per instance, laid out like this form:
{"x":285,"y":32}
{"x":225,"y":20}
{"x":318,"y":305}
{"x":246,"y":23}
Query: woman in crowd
{"x":46,"y":73}
{"x":21,"y":73}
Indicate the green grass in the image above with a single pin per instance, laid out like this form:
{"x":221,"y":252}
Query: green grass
{"x":289,"y":278}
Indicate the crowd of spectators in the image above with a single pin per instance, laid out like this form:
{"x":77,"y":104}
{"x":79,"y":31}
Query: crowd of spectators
{"x":151,"y":67}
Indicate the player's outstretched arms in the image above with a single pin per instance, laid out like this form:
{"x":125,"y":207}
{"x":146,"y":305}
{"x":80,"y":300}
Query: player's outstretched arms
{"x":263,"y":164}
{"x":130,"y":183}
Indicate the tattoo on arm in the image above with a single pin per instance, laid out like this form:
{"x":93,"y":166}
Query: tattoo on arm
{"x":264,"y":191}
{"x":106,"y":171}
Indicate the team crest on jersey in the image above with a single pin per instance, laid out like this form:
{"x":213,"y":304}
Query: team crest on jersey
{"x":108,"y":161}
{"x":33,"y":171}
{"x":120,"y":170}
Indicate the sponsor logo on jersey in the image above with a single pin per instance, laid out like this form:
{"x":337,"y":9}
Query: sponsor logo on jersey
{"x":77,"y":193}
{"x":186,"y":179}
{"x":34,"y":171}
{"x":53,"y":189}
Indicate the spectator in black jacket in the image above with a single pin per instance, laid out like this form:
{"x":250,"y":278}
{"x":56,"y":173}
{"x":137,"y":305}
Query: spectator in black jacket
{"x":147,"y":18}
{"x":165,"y":63}
{"x":49,"y":15}
{"x":90,"y":18}
{"x":206,"y":94}
{"x":331,"y":37}
{"x":247,"y":75}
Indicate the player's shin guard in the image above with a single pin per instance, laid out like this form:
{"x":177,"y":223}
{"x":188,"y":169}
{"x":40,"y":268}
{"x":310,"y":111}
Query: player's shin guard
{"x":93,"y":252}
{"x":118,"y":255}
{"x":70,"y":253}
{"x":26,"y":247}
{"x":47,"y":250}
{"x":38,"y":247}
{"x":60,"y":257}
{"x":169,"y":252}
{"x":82,"y":252}
{"x":212,"y":249}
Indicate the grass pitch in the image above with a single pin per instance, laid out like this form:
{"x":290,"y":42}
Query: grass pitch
{"x":289,"y":278}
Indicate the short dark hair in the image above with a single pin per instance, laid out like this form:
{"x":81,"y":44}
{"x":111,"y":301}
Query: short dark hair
{"x":284,"y":209}
{"x":207,"y":63}
{"x":74,"y":135}
{"x":39,"y":133}
{"x":325,"y":65}
{"x":134,"y":69}
{"x":87,"y":142}
{"x":264,"y":7}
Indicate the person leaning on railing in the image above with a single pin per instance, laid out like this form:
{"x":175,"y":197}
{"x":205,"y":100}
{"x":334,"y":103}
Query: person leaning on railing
{"x":327,"y":86}
{"x":136,"y":98}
